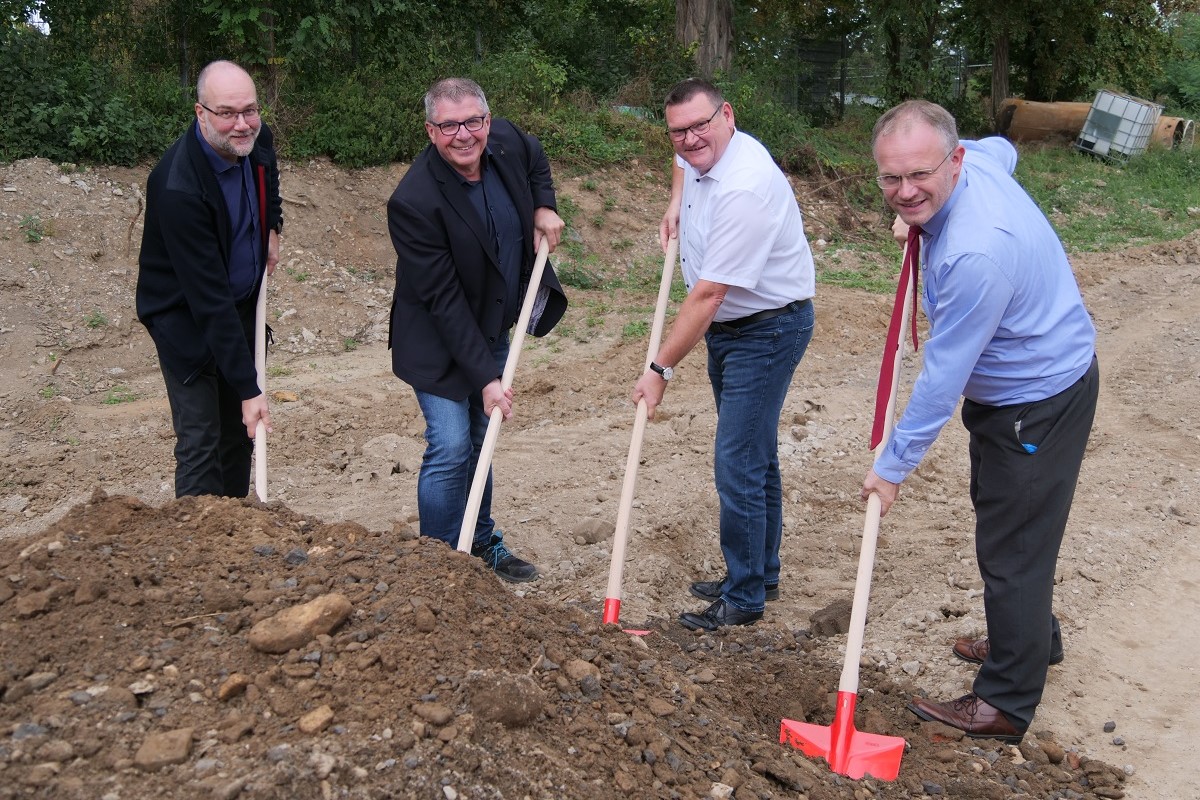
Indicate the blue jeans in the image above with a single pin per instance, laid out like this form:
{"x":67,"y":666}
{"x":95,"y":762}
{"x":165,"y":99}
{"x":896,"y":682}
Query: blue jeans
{"x":454,"y":432}
{"x":751,"y":371}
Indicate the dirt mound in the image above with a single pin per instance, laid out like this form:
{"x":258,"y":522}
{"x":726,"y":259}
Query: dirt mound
{"x":135,"y":676}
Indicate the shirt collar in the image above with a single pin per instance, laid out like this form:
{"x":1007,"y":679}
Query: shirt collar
{"x":718,"y":169}
{"x":484,"y":162}
{"x":938,"y":221}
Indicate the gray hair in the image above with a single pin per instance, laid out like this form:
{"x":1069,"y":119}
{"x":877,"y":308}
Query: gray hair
{"x":453,"y":90}
{"x":910,"y":111}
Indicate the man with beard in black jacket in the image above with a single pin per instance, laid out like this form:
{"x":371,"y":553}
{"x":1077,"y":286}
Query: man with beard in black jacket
{"x":213,"y":217}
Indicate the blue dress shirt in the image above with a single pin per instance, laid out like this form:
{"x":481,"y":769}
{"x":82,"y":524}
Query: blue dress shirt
{"x":1007,"y":322}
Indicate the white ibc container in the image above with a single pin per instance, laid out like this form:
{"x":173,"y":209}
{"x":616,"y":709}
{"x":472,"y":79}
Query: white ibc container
{"x":1118,"y":126}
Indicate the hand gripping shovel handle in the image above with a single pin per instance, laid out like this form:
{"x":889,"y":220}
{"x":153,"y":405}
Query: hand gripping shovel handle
{"x":260,"y":367}
{"x":612,"y":597}
{"x":851,"y":752}
{"x":466,"y":533}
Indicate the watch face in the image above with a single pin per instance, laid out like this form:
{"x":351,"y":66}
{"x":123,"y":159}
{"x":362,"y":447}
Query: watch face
{"x":668,"y":373}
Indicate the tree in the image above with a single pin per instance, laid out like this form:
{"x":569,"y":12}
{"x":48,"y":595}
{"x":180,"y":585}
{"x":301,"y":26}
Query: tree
{"x":706,"y":25}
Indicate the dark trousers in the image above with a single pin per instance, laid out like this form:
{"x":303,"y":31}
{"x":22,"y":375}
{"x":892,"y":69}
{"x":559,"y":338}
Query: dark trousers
{"x":1022,"y":500}
{"x":212,"y":450}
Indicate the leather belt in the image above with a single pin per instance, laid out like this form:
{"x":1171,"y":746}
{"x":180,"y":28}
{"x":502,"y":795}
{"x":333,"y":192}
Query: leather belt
{"x":735,"y":325}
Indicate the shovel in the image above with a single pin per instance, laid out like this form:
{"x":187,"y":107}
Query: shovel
{"x":466,"y":533}
{"x":851,"y":752}
{"x":612,"y":597}
{"x":260,"y":366}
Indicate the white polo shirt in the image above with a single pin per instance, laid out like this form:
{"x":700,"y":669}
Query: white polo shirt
{"x":740,"y":225}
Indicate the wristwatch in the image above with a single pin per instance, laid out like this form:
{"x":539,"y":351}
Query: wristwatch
{"x":666,"y":372}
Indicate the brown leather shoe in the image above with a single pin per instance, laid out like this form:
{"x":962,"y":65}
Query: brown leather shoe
{"x":976,"y":651}
{"x":969,"y":714}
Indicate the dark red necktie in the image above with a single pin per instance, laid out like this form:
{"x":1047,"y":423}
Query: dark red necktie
{"x":909,"y":270}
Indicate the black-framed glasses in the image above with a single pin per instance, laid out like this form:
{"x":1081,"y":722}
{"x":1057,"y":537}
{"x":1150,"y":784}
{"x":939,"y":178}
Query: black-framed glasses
{"x":917,"y":176}
{"x":699,"y":129}
{"x":450,"y":127}
{"x":227,"y":115}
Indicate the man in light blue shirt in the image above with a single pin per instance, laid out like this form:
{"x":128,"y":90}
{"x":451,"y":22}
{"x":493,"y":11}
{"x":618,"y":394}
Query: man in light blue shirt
{"x":1008,"y":333}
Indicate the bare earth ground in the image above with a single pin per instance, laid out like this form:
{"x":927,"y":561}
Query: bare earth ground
{"x":127,"y":667}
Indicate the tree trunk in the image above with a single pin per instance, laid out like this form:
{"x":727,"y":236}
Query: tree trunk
{"x":999,"y":73}
{"x":707,"y":24}
{"x":272,"y":86}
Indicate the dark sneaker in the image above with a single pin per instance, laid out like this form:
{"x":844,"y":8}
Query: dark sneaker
{"x":501,"y":561}
{"x":718,"y":615}
{"x":711,"y":590}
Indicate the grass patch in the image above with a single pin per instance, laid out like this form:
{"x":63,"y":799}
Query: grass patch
{"x":95,"y":319}
{"x":581,"y":273}
{"x":119,"y":394}
{"x":278,"y":372}
{"x":637,"y":329}
{"x":1097,"y":205}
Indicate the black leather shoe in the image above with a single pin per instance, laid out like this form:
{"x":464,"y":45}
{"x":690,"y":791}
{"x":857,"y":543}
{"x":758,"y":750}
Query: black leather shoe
{"x":711,"y":590}
{"x":976,"y":651}
{"x":718,"y":614}
{"x":971,"y":715}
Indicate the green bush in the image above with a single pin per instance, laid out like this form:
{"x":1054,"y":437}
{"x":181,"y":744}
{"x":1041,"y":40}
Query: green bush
{"x":1181,"y":78}
{"x":519,"y":80}
{"x":757,"y":113}
{"x":75,"y":109}
{"x":359,"y":120}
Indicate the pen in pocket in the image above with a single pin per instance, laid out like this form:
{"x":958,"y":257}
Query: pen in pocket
{"x":1029,"y":448}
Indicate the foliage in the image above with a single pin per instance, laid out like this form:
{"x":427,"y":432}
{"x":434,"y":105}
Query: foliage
{"x":1181,"y":72}
{"x":344,"y":78}
{"x":35,"y":230}
{"x":72,"y":109}
{"x":778,"y":128}
{"x":368,"y":119}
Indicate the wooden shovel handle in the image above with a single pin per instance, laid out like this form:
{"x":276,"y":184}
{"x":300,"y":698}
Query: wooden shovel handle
{"x":466,"y":534}
{"x":866,"y":555}
{"x":260,"y":367}
{"x":621,"y":535}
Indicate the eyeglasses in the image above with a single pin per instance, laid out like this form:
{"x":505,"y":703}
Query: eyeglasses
{"x":894,"y":181}
{"x":450,"y":128}
{"x":699,"y":129}
{"x":225,"y":115}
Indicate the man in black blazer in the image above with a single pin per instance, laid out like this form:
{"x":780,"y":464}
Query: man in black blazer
{"x":213,"y":216}
{"x":466,"y":221}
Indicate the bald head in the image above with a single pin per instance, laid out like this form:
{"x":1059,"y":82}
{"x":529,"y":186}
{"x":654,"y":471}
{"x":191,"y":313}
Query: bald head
{"x":219,"y":74}
{"x":227,"y":109}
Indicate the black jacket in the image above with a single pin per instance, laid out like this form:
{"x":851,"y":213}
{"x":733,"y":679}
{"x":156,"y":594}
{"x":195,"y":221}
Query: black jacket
{"x":183,"y":295}
{"x":448,"y":306}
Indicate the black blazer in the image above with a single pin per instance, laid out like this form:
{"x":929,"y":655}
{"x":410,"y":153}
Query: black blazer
{"x":183,"y":295}
{"x":448,"y":306}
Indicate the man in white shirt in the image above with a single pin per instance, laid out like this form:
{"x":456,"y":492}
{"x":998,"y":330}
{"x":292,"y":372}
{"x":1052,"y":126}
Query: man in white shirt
{"x":750,"y":281}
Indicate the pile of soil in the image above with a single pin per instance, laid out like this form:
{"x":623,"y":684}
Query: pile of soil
{"x":133,"y":625}
{"x":139,"y":674}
